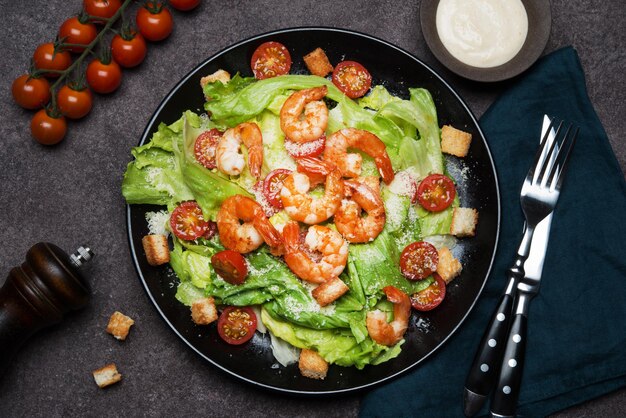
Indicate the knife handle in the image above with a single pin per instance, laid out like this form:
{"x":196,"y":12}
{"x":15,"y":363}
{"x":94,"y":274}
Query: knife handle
{"x":484,"y":369}
{"x":507,"y":390}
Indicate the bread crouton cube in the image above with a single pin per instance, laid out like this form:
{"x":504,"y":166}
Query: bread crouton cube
{"x":203,"y":311}
{"x":219,"y":75}
{"x":448,"y":267}
{"x":119,"y":325}
{"x":464,"y":222}
{"x":156,"y":248}
{"x":312,"y":365}
{"x":455,"y":141}
{"x":107,"y":375}
{"x":317,"y":62}
{"x":329,"y":291}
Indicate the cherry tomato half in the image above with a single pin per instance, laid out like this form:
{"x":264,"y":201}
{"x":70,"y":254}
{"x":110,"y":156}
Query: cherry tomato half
{"x":429,"y":298}
{"x":230,"y":266}
{"x":352,"y":79}
{"x":187,"y":221}
{"x":154,"y":21}
{"x":101,"y":8}
{"x":273,"y":184}
{"x":129,"y":51}
{"x":270,"y":59}
{"x":436,"y":192}
{"x":184,"y":5}
{"x":211,"y":230}
{"x":48,"y":129}
{"x":306,"y":149}
{"x":73,"y":31}
{"x":237,"y":325}
{"x":104,"y":78}
{"x":30,"y":93}
{"x":419,"y":260}
{"x":73,"y":103}
{"x":45,"y":58}
{"x":205,"y":146}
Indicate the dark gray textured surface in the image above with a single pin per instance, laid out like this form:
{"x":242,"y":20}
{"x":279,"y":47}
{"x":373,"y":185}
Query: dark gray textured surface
{"x":69,"y":194}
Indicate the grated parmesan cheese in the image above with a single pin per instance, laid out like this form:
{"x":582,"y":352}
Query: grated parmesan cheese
{"x":157,"y":222}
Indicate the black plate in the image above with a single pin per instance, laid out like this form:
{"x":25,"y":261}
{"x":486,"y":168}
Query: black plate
{"x":539,"y":23}
{"x":253,"y":362}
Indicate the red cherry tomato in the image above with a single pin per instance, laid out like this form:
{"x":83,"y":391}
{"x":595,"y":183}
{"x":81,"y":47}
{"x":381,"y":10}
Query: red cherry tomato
{"x":419,"y":260}
{"x":184,"y":5}
{"x":436,"y":192}
{"x":45,"y":58}
{"x":154,"y":21}
{"x":73,"y":103}
{"x":104,"y":78}
{"x":104,"y":9}
{"x":48,"y":129}
{"x":187,"y":221}
{"x":429,"y":298}
{"x":270,"y":59}
{"x":352,"y":79}
{"x":273,"y":184}
{"x":129,"y":50}
{"x":307,"y":149}
{"x":205,"y":146}
{"x":237,"y":325}
{"x":73,"y":31}
{"x":230,"y":266}
{"x":211,"y":230}
{"x":30,"y":93}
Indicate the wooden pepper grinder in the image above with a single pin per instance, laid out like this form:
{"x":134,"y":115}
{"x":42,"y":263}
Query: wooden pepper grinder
{"x":38,"y":293}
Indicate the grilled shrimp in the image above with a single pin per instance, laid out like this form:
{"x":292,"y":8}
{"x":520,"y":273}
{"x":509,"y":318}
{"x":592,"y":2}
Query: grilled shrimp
{"x":243,"y":226}
{"x":349,"y":164}
{"x":304,"y":116}
{"x":348,"y":219}
{"x":299,"y":204}
{"x":389,"y":333}
{"x":323,"y":242}
{"x":228,"y":154}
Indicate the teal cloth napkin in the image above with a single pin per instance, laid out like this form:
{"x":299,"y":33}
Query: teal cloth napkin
{"x":576,"y":347}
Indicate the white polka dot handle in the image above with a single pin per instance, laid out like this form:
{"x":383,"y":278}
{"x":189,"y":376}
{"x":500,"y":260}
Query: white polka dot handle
{"x":507,"y":389}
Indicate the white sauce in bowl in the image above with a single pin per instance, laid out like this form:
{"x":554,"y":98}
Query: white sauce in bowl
{"x":482,"y":33}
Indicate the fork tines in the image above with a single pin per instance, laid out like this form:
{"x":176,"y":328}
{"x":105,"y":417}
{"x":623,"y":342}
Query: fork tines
{"x":556,"y":158}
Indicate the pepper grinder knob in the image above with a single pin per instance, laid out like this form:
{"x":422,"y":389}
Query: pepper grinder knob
{"x":39,"y":293}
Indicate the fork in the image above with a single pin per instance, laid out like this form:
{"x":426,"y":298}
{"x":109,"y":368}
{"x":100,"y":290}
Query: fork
{"x":538,"y":197}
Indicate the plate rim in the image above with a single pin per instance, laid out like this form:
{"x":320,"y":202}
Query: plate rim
{"x":134,"y":255}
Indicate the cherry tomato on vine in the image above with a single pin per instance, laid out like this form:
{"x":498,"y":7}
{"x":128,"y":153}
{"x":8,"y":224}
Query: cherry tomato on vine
{"x":270,"y":59}
{"x":129,"y":50}
{"x":431,"y":297}
{"x":187,"y":222}
{"x":204,"y":148}
{"x":154,"y":21}
{"x":101,"y":8}
{"x":74,"y":103}
{"x":230,"y":266}
{"x":184,"y":5}
{"x":45,"y":58}
{"x":77,"y":31}
{"x":352,"y":79}
{"x":47,"y":128}
{"x":436,"y":192}
{"x":103,"y":77}
{"x":237,"y":325}
{"x":273,"y":184}
{"x":305,"y":149}
{"x":419,"y":260}
{"x":29,"y":92}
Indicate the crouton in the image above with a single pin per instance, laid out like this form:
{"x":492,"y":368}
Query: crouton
{"x":312,"y":365}
{"x":156,"y":249}
{"x":119,"y":325}
{"x":448,"y":267}
{"x":203,"y":311}
{"x":107,"y":375}
{"x":317,"y":62}
{"x":219,"y":75}
{"x":329,"y":291}
{"x":455,"y":141}
{"x":464,"y":222}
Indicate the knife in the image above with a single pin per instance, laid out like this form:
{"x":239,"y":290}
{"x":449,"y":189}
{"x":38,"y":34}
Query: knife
{"x":485,"y":368}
